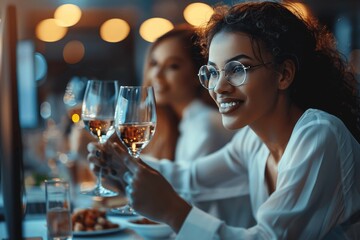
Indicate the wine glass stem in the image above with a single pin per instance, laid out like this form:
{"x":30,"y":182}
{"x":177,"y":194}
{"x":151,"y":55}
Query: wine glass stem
{"x":99,"y":177}
{"x":134,"y":154}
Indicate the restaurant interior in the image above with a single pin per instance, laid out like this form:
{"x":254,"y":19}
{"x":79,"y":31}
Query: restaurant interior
{"x":44,"y":55}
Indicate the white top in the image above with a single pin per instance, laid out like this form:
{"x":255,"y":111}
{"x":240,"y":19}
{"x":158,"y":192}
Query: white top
{"x":317,"y":191}
{"x":201,"y":132}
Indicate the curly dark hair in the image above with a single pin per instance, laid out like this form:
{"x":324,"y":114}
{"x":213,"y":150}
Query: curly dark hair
{"x":322,"y":79}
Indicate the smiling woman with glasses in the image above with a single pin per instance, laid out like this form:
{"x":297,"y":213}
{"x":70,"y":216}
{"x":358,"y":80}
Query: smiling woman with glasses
{"x":234,"y":72}
{"x":296,"y":152}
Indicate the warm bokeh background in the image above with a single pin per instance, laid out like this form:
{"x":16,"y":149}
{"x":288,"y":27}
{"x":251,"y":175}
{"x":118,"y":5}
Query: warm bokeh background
{"x":80,"y":47}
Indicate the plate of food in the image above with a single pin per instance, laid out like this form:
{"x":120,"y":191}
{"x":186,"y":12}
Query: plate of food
{"x":86,"y":222}
{"x":149,"y":229}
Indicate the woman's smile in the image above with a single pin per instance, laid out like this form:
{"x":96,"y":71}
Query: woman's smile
{"x":228,"y":107}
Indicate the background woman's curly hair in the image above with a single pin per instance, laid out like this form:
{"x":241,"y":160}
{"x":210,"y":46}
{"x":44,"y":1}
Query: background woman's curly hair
{"x":323,"y":79}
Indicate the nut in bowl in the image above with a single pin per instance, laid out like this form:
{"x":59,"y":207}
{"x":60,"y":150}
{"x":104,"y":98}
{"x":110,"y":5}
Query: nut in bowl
{"x":92,"y":221}
{"x":149,"y":229}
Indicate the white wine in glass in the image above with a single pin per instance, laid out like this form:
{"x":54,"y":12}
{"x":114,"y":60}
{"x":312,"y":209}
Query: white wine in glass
{"x":135,"y":123}
{"x":98,"y":115}
{"x":135,"y":136}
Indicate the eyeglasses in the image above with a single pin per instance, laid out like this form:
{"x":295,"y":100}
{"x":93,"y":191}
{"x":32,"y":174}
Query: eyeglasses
{"x":235,"y":73}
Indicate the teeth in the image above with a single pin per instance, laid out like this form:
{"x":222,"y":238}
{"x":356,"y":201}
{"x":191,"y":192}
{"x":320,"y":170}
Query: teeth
{"x":228,"y":104}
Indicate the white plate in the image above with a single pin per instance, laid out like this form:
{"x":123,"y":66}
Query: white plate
{"x":100,"y":232}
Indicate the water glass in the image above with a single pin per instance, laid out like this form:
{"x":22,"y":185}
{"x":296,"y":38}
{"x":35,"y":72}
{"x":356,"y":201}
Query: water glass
{"x":58,"y":210}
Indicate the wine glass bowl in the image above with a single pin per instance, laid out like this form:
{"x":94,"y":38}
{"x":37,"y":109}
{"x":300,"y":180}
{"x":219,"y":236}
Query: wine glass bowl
{"x":135,"y":136}
{"x":135,"y":122}
{"x":98,"y":116}
{"x":100,"y":128}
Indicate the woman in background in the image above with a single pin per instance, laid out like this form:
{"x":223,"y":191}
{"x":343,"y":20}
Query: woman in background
{"x":189,"y":125}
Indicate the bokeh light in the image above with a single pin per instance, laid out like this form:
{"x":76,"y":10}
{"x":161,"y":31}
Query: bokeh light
{"x":45,"y":110}
{"x":114,"y":30}
{"x":73,"y":52}
{"x":75,"y":118}
{"x":67,"y":15}
{"x":198,"y":14}
{"x":153,"y":28}
{"x":49,"y":31}
{"x":40,"y":66}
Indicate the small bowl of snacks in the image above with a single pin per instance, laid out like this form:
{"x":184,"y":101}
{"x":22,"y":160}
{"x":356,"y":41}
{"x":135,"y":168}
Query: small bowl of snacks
{"x":149,"y":229}
{"x":92,"y":222}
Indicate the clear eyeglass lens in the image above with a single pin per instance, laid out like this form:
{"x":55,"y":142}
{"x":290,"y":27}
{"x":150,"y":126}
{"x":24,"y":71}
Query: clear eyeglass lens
{"x":206,"y":75}
{"x":234,"y":71}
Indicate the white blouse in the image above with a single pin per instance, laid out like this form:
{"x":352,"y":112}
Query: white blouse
{"x":201,"y":132}
{"x":317,"y":192}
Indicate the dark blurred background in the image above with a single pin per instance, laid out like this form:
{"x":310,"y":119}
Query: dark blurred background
{"x":47,"y":66}
{"x":123,"y":60}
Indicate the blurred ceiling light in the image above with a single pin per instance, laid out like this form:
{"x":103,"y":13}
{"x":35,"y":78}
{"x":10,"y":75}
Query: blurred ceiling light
{"x":73,"y":52}
{"x":197,"y":14}
{"x":299,"y":9}
{"x":67,"y":15}
{"x":153,"y":28}
{"x":114,"y":30}
{"x":75,"y":118}
{"x":49,"y":31}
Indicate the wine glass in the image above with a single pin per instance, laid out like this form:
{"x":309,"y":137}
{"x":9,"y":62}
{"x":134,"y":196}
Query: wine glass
{"x":98,"y":116}
{"x":73,"y":100}
{"x":135,"y":122}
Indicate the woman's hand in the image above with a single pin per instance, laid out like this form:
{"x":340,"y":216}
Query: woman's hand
{"x":152,"y":196}
{"x":110,"y":157}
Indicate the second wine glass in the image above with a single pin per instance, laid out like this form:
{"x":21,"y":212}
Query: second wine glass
{"x":98,"y":116}
{"x":135,"y":123}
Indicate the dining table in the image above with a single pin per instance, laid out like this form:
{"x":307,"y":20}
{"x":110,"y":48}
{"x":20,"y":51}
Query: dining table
{"x":34,"y":228}
{"x":34,"y":221}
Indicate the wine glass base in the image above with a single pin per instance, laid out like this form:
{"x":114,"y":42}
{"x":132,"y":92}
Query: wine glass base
{"x":125,"y":211}
{"x":100,"y":192}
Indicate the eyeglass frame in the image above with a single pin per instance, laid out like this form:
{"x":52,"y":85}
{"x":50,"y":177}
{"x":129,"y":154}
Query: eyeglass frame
{"x":245,"y":68}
